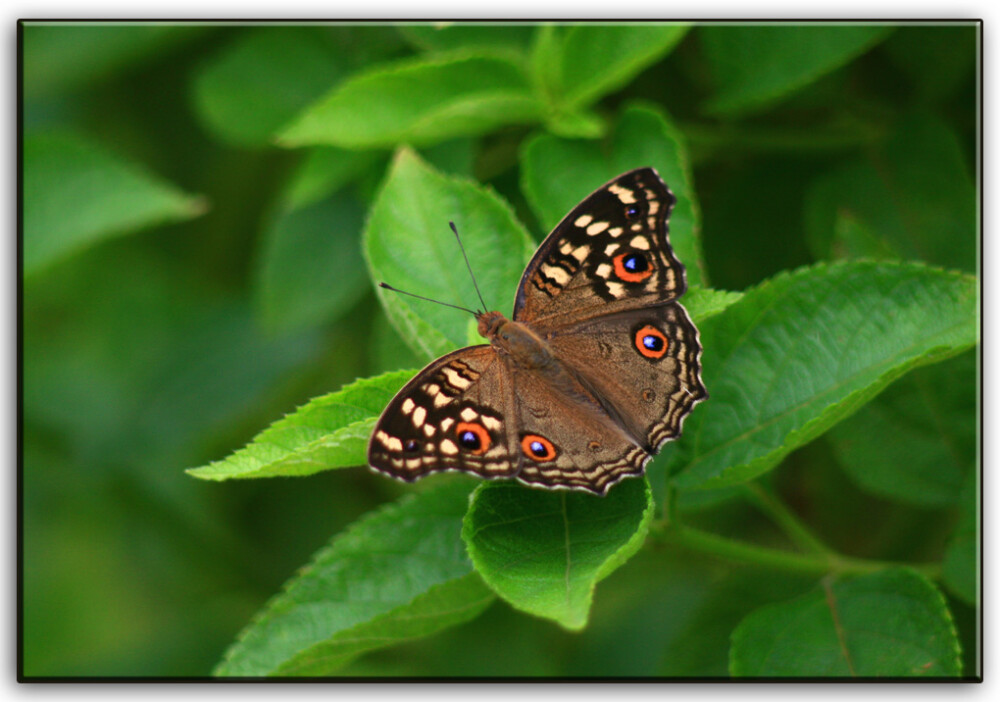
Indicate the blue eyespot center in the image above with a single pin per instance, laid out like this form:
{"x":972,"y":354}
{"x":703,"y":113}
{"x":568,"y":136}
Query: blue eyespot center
{"x":635,"y":263}
{"x":469,"y":440}
{"x":653,"y":343}
{"x":632,"y":211}
{"x":538,"y":449}
{"x":411,"y":445}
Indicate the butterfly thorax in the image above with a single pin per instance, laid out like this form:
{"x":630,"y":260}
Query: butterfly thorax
{"x":525,"y":348}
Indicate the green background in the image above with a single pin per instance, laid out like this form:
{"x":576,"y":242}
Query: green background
{"x":193,"y":203}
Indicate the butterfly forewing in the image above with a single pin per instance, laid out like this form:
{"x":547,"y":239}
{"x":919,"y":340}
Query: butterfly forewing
{"x":611,"y":253}
{"x":450,"y":416}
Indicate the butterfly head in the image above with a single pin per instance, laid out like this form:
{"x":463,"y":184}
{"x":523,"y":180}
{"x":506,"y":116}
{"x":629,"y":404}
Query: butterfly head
{"x":490,"y":323}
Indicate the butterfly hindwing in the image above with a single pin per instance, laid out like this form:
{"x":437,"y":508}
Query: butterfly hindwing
{"x":565,"y":440}
{"x":450,"y":416}
{"x":612,"y":252}
{"x":644,"y":364}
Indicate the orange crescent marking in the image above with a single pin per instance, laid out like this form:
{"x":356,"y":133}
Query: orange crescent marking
{"x":628,"y":276}
{"x":480,"y":431}
{"x":650,"y":330}
{"x":550,"y":450}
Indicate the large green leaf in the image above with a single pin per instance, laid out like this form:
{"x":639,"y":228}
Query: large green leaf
{"x":888,"y":624}
{"x":931,"y":417}
{"x":755,"y":65}
{"x":398,"y":573}
{"x":329,"y":432}
{"x":597,"y":59}
{"x":261,"y":81}
{"x":311,"y":268}
{"x":419,"y":101}
{"x":408,"y":244}
{"x":76,"y":193}
{"x":449,"y":36}
{"x":66,"y":56}
{"x":557,"y":173}
{"x":544,"y":551}
{"x":913,"y":198}
{"x":802,"y":351}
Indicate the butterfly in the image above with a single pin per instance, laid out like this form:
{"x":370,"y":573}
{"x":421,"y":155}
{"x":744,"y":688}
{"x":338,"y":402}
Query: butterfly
{"x":594,"y":371}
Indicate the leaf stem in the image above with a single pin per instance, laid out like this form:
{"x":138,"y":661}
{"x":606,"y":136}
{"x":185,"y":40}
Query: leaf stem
{"x":781,"y":515}
{"x":817,"y":564}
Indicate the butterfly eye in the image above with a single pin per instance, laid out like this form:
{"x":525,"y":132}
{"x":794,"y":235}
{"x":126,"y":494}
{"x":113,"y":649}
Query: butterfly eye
{"x":473,"y":437}
{"x":538,"y":447}
{"x":632,"y":267}
{"x":651,"y":342}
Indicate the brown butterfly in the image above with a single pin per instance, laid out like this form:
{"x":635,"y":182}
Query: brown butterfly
{"x":596,"y":369}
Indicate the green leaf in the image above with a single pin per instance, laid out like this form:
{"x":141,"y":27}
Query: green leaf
{"x":64,"y":56}
{"x":328,"y":432}
{"x":595,"y":59}
{"x":408,"y":244}
{"x":961,"y":568}
{"x":311,"y":268}
{"x":396,"y":574}
{"x":107,"y":196}
{"x":702,"y":303}
{"x":805,"y":350}
{"x":441,"y":607}
{"x":419,"y":101}
{"x":557,"y":173}
{"x":931,"y":417}
{"x":544,"y":551}
{"x":914,"y":198}
{"x":449,"y":36}
{"x":324,"y":171}
{"x":889,"y":624}
{"x":757,"y":65}
{"x":263,"y":80}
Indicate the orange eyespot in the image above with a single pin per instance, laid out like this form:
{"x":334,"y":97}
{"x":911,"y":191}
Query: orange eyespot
{"x":538,"y":448}
{"x":632,"y":267}
{"x":651,"y":342}
{"x":473,"y":438}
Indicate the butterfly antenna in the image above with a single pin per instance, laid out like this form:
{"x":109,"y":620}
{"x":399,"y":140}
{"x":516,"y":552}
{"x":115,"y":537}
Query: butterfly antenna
{"x":421,"y":297}
{"x":468,"y":265}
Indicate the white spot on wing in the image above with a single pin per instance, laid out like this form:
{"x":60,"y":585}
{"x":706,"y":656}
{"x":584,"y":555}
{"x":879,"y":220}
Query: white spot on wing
{"x":448,"y":447}
{"x":615,"y":231}
{"x":419,"y":415}
{"x":626,"y":196}
{"x":490,"y":422}
{"x":407,"y":405}
{"x":640,"y":242}
{"x":555,"y":273}
{"x":603,"y":270}
{"x":596,"y":228}
{"x":446,"y":423}
{"x":468,"y":414}
{"x":583,"y":220}
{"x":610,"y":249}
{"x":455,"y":379}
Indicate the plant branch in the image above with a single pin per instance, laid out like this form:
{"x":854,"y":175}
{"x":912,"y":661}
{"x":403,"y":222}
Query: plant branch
{"x":787,"y":520}
{"x":817,"y":564}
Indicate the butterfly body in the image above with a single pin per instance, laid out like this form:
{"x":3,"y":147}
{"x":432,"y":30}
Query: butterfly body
{"x":596,"y":369}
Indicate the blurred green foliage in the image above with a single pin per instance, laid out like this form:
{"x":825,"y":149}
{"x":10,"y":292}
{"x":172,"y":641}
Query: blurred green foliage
{"x":194,"y":199}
